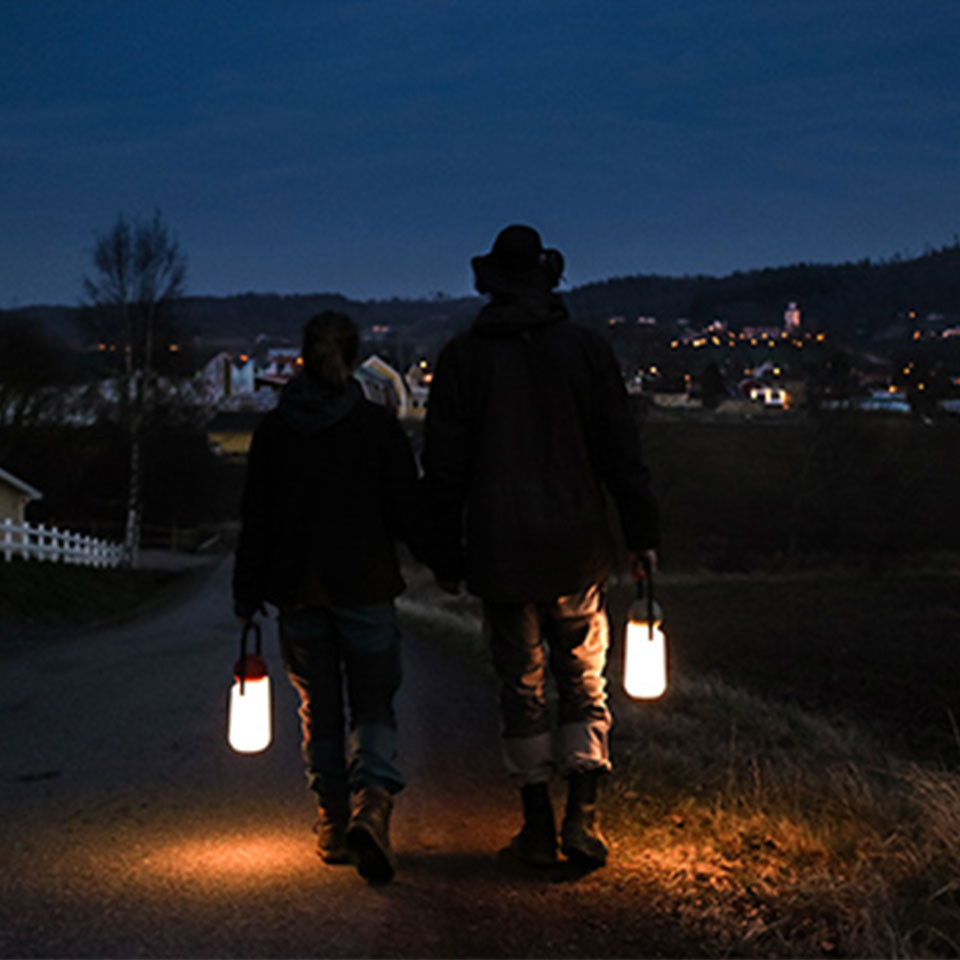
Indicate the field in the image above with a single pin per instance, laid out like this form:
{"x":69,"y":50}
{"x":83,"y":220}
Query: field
{"x":796,"y":791}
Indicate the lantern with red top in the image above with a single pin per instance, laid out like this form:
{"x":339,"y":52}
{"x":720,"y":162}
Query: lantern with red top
{"x":249,"y":711}
{"x":645,"y":646}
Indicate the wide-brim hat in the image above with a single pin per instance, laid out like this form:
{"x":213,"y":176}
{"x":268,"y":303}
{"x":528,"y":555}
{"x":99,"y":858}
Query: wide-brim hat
{"x":517,"y":263}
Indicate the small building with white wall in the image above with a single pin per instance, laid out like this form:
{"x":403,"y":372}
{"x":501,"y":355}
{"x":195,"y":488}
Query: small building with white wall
{"x":15,"y":494}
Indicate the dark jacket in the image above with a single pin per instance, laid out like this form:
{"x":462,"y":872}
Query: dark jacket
{"x":527,"y":429}
{"x":331,"y":486}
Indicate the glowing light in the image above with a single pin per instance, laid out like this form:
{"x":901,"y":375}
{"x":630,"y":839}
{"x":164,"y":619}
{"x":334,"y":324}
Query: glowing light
{"x":645,"y":655}
{"x":249,"y":711}
{"x":237,"y":859}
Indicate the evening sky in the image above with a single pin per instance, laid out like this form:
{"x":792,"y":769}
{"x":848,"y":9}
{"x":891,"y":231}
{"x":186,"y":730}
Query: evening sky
{"x":371,"y":147}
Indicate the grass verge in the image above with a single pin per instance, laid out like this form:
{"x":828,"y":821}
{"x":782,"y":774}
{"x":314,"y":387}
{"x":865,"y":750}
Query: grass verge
{"x":771,"y":801}
{"x":53,"y":594}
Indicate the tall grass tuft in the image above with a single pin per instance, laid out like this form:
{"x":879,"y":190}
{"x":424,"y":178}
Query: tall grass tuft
{"x":783,"y":833}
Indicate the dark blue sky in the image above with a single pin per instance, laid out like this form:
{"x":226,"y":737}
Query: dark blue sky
{"x":371,"y":147}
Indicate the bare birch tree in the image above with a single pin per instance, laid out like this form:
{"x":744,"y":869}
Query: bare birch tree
{"x":139,"y":272}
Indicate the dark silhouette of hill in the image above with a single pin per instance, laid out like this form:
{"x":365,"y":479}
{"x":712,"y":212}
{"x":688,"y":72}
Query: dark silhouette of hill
{"x":860,"y":299}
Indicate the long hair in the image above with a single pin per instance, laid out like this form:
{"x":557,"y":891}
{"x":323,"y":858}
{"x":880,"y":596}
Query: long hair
{"x":330,"y":342}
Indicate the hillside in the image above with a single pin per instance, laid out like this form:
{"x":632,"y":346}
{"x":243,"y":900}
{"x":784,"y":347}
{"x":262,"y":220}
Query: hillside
{"x":861,"y":299}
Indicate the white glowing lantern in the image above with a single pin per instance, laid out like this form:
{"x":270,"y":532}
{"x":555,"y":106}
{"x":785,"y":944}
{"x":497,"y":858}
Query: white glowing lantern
{"x":645,"y":648}
{"x":249,"y":711}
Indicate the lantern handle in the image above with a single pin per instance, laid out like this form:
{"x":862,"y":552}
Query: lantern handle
{"x":258,"y":634}
{"x":645,"y":591}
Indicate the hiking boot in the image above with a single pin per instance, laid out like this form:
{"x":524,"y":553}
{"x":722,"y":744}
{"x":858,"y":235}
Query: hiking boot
{"x":580,"y":838}
{"x":536,"y":843}
{"x":331,"y":831}
{"x":368,"y":834}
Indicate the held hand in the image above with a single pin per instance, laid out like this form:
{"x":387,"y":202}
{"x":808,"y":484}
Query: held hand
{"x":639,"y":561}
{"x":245,"y":615}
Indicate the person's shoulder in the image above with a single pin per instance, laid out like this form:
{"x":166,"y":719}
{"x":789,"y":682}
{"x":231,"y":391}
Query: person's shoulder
{"x":458,"y":343}
{"x":375,"y":415}
{"x":588,"y":340}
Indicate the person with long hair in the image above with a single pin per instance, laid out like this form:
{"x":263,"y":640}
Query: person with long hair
{"x":331,"y":487}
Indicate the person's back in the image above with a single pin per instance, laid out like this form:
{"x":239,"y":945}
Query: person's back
{"x":340,"y":482}
{"x":527,"y":429}
{"x":331,"y":486}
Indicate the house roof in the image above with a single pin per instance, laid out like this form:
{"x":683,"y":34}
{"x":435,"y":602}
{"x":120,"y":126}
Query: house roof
{"x":32,"y":492}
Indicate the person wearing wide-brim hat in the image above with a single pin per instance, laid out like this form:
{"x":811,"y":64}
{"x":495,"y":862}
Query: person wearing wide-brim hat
{"x":527,"y":430}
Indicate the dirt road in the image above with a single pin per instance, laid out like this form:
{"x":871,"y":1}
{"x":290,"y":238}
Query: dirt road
{"x":128,"y":828}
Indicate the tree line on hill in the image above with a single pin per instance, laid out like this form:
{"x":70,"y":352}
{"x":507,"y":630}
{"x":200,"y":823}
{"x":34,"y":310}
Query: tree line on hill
{"x":860,"y":299}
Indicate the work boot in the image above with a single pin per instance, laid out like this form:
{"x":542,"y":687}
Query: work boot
{"x":536,"y":843}
{"x":368,"y":834}
{"x":580,"y":838}
{"x":331,"y":831}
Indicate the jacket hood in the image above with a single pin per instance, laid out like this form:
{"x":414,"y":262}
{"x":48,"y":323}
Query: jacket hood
{"x":310,"y":407}
{"x":508,"y":316}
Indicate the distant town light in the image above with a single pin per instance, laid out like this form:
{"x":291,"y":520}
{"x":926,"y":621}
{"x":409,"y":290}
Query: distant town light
{"x":174,"y":347}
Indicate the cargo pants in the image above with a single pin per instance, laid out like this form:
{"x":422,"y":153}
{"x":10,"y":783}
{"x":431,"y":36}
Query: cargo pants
{"x":572,"y":635}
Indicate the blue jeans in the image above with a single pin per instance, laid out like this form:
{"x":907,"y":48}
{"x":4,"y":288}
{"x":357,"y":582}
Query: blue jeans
{"x":340,"y":659}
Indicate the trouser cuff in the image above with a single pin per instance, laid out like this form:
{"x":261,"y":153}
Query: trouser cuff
{"x":528,"y":759}
{"x":583,"y":746}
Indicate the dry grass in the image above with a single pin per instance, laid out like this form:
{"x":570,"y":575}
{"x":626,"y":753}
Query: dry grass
{"x":769,"y":828}
{"x":781,"y":834}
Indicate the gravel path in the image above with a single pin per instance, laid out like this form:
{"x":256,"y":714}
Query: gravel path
{"x":128,"y":828}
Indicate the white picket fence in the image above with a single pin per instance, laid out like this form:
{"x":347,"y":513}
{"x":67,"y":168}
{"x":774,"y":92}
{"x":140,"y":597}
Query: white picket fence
{"x":39,"y":542}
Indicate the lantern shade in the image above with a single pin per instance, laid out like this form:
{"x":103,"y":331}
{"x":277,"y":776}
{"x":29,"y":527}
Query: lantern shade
{"x":250,"y":713}
{"x":645,"y":655}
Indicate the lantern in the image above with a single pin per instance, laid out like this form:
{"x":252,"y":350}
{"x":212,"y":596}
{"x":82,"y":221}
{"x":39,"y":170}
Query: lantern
{"x":249,"y":711}
{"x":645,"y":647}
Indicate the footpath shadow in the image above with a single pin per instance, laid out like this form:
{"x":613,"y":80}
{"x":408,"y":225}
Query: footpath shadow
{"x":482,"y":868}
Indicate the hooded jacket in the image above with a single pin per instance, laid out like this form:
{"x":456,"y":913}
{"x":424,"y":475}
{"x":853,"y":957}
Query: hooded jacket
{"x":527,"y":431}
{"x":331,"y":486}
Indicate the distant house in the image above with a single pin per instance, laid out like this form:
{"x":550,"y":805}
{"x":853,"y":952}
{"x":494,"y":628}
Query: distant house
{"x":15,"y":494}
{"x":383,"y":384}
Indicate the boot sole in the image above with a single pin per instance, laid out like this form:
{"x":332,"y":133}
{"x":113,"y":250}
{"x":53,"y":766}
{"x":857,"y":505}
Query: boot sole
{"x":373,"y":862}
